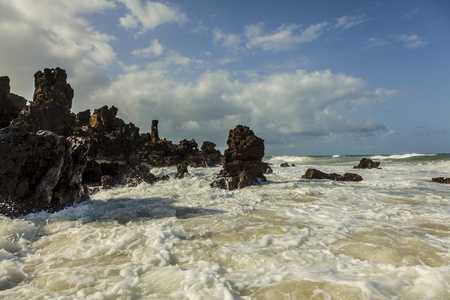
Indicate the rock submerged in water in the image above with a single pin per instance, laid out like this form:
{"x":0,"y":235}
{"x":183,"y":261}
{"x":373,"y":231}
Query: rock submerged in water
{"x":316,"y":174}
{"x":242,"y":162}
{"x":441,"y":180}
{"x":366,"y":163}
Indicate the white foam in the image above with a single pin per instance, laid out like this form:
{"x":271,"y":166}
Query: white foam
{"x":385,"y":237}
{"x":401,"y":156}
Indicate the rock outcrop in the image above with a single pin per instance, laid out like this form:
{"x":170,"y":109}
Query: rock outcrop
{"x":8,"y":109}
{"x":40,"y":171}
{"x":163,"y":153}
{"x":316,"y":174}
{"x":208,"y":156}
{"x":111,"y":138}
{"x":115,"y":173}
{"x":50,"y":108}
{"x":242,"y":161}
{"x":366,"y":163}
{"x":441,"y":180}
{"x":48,"y":154}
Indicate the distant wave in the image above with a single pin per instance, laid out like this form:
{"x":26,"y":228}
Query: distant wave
{"x":289,"y":159}
{"x":401,"y":156}
{"x":336,"y":156}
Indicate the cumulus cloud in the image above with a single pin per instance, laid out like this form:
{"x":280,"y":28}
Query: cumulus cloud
{"x":232,"y":41}
{"x":36,"y":37}
{"x":278,"y":107}
{"x":155,"y":49}
{"x":149,"y":15}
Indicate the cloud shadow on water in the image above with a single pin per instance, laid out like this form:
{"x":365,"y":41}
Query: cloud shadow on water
{"x":123,"y":211}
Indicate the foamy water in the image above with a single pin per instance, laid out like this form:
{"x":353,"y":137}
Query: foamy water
{"x":386,"y":237}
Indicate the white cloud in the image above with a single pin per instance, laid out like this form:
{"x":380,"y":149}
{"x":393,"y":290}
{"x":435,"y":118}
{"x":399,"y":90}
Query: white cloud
{"x":232,"y":41}
{"x":36,"y":37}
{"x":284,"y":37}
{"x":412,"y":41}
{"x":155,"y":49}
{"x":276,"y":106}
{"x":149,"y":15}
{"x":347,"y":22}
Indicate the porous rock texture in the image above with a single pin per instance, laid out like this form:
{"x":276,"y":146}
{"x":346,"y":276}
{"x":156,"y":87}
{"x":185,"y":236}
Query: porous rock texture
{"x":242,"y":160}
{"x":50,"y":108}
{"x":40,"y":171}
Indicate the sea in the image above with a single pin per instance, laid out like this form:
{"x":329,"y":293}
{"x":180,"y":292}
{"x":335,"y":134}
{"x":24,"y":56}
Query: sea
{"x":386,"y":237}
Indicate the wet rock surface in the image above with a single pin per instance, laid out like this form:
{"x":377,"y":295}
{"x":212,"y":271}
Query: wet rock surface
{"x":316,"y":174}
{"x":441,"y":180}
{"x":242,"y":162}
{"x":40,"y":171}
{"x":366,"y":163}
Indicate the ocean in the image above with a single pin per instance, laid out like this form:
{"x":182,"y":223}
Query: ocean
{"x":386,"y":237}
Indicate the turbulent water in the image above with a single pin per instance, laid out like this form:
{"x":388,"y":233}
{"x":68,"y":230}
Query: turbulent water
{"x":387,"y":237}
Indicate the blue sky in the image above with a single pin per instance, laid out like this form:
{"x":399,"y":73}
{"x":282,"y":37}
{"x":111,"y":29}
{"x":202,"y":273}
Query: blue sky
{"x":309,"y":77}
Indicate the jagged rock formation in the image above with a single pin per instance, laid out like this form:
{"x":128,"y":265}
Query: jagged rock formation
{"x":242,"y":162}
{"x":45,"y":148}
{"x":40,"y":171}
{"x":50,"y":108}
{"x":163,"y":153}
{"x":8,"y":108}
{"x":316,"y":174}
{"x":366,"y":163}
{"x":111,"y":138}
{"x":207,"y":157}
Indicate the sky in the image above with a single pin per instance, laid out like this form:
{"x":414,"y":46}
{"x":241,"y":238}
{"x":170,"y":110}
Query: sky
{"x":309,"y":77}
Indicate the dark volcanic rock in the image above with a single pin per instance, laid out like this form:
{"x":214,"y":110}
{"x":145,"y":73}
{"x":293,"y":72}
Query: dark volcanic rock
{"x":50,"y":108}
{"x":8,"y":111}
{"x":441,"y":180}
{"x":111,"y":138}
{"x":125,"y":173}
{"x":182,"y":170}
{"x":154,"y":133}
{"x":366,"y":163}
{"x":266,"y":168}
{"x":316,"y":174}
{"x":40,"y":171}
{"x":207,"y":157}
{"x":242,"y":162}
